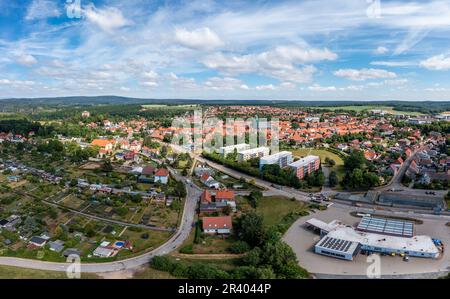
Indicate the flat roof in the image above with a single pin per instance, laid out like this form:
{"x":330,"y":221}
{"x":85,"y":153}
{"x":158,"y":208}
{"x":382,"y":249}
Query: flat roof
{"x":386,"y":226}
{"x":417,"y":243}
{"x":254,"y":150}
{"x":277,"y":155}
{"x":338,"y":245}
{"x":304,"y":161}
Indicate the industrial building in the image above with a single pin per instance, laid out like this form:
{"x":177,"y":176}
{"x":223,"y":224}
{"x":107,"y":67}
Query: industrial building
{"x":410,"y":199}
{"x":258,"y":152}
{"x":282,"y":159}
{"x":225,"y":150}
{"x":305,"y":166}
{"x":392,"y":237}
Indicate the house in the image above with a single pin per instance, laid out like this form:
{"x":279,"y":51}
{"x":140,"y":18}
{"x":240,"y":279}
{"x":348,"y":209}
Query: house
{"x":147,"y":175}
{"x":56,"y":246}
{"x":37,"y":241}
{"x":162,"y":176}
{"x":224,"y":195}
{"x":71,"y":252}
{"x":104,"y":144}
{"x":105,"y":251}
{"x":209,"y":181}
{"x":206,"y":197}
{"x":217,"y":225}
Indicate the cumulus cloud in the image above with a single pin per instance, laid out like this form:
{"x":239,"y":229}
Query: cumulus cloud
{"x":381,"y":50}
{"x":317,"y":87}
{"x":281,"y":63}
{"x":227,"y":83}
{"x":149,"y":84}
{"x":393,"y":63}
{"x":42,"y":9}
{"x":265,"y":87}
{"x":364,"y":74}
{"x":26,"y":59}
{"x":108,"y":19}
{"x":199,"y":39}
{"x":438,"y":63}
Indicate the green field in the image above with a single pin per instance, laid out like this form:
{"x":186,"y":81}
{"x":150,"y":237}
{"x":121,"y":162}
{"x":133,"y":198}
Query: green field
{"x":361,"y":108}
{"x":156,"y":106}
{"x":275,"y":208}
{"x":339,"y":167}
{"x":8,"y":272}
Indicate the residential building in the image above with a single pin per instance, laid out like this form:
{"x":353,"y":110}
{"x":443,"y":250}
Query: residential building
{"x":258,"y":152}
{"x":225,"y":150}
{"x":217,"y":225}
{"x":282,"y":159}
{"x":162,"y":176}
{"x":305,"y":166}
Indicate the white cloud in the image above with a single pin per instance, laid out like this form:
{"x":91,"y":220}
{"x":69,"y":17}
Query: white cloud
{"x":381,"y":50}
{"x":227,"y":83}
{"x":364,"y":74}
{"x":26,"y":59}
{"x":393,"y":63}
{"x":42,"y":9}
{"x":317,"y":87}
{"x":107,"y":19}
{"x":265,"y":87}
{"x":149,"y":84}
{"x":281,"y":63}
{"x":352,"y":88}
{"x":150,"y":75}
{"x":199,"y":39}
{"x":438,"y":63}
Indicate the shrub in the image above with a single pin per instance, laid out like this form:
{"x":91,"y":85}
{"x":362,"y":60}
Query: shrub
{"x":239,"y":247}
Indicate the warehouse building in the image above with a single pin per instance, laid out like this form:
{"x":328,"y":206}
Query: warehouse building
{"x":410,"y":199}
{"x":344,"y":242}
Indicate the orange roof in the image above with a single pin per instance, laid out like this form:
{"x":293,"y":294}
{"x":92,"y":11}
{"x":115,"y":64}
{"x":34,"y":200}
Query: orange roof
{"x":206,"y":196}
{"x":224,"y":194}
{"x":217,"y":222}
{"x":162,"y":172}
{"x":101,"y":142}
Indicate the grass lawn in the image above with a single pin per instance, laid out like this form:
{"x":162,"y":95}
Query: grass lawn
{"x":361,"y":108}
{"x":275,"y":208}
{"x":339,"y":167}
{"x":150,"y":273}
{"x":8,"y":272}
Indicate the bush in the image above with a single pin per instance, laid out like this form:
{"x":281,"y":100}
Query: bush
{"x":188,"y":249}
{"x":239,"y":247}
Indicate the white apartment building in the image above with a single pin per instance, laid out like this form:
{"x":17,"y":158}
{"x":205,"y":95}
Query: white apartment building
{"x":258,"y":152}
{"x":225,"y":150}
{"x":283,"y":159}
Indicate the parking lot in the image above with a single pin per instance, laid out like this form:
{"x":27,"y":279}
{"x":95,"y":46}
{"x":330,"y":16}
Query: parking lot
{"x":303,"y":240}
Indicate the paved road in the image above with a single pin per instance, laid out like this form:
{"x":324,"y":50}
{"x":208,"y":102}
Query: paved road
{"x":193,"y":195}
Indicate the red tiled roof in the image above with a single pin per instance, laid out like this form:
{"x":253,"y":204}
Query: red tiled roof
{"x":162,"y":172}
{"x":222,"y":222}
{"x":224,"y":194}
{"x":206,"y":196}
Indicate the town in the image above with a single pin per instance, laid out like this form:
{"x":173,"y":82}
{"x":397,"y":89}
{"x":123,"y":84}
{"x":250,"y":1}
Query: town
{"x":108,"y":187}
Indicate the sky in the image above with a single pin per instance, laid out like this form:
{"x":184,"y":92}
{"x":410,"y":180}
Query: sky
{"x":360,"y":50}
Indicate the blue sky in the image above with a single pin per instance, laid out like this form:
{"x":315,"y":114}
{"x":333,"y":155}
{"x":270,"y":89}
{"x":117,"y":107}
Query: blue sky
{"x":290,"y":50}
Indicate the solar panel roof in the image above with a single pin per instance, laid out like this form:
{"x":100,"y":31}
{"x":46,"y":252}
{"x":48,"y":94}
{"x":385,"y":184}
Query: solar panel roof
{"x":386,"y":226}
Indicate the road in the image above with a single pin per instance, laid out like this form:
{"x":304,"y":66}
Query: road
{"x":184,"y":229}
